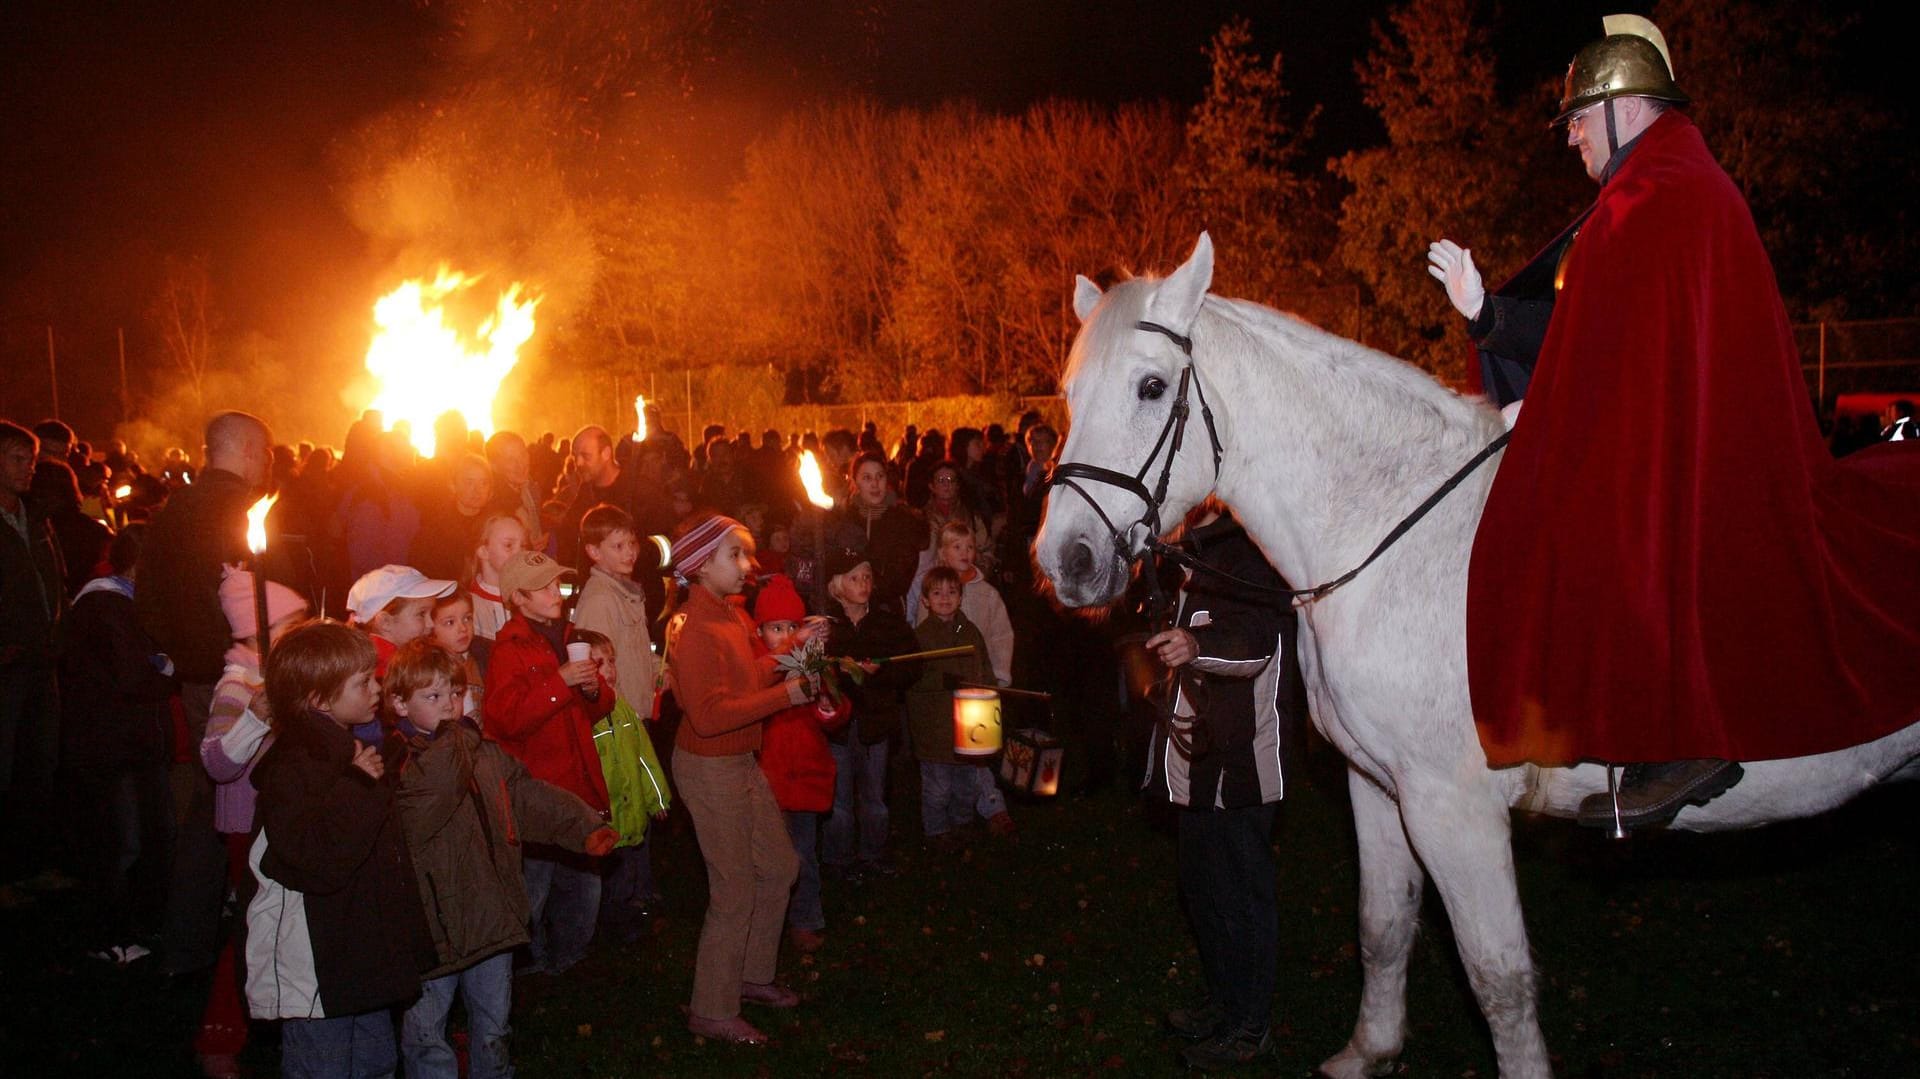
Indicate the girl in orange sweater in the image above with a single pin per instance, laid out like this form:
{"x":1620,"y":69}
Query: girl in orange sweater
{"x":727,"y":693}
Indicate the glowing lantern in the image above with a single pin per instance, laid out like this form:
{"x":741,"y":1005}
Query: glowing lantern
{"x":1032,"y":763}
{"x":976,"y":722}
{"x":426,"y":367}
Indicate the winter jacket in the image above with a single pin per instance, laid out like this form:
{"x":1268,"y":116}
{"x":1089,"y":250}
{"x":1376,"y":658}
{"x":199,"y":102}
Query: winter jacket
{"x":237,"y":737}
{"x":617,"y":608}
{"x":892,"y":543}
{"x":880,"y":634}
{"x":335,"y":927}
{"x":202,"y":527}
{"x":930,"y":699}
{"x":636,"y":784}
{"x":33,"y":597}
{"x":795,"y":756}
{"x":545,"y":723}
{"x":113,"y":696}
{"x":467,"y":807}
{"x":725,"y":690}
{"x":1251,"y":677}
{"x":982,"y":605}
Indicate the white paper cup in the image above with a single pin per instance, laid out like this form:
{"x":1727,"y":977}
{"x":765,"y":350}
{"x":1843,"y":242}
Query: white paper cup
{"x":578,"y":650}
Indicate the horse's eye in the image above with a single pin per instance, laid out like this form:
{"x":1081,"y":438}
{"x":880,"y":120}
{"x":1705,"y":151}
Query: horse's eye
{"x":1152,"y":387}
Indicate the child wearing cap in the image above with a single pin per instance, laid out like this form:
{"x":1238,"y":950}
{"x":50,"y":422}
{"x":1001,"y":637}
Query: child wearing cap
{"x":865,"y":627}
{"x":541,"y":704}
{"x":727,"y":693}
{"x":796,"y":760}
{"x":394,"y":605}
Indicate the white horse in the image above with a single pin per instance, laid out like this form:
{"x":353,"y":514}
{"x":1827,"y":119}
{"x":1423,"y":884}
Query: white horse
{"x":1327,"y":444}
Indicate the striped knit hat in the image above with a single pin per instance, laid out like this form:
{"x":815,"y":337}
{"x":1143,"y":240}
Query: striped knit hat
{"x":694,"y":547}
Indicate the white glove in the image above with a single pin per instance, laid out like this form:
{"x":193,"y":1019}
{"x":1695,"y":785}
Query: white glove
{"x":1452,"y":266}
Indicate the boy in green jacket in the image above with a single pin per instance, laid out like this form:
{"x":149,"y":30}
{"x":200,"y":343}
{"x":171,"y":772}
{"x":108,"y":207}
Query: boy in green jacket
{"x":637,"y":791}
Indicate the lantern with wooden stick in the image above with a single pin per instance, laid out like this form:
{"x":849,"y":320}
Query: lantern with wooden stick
{"x":257,"y":546}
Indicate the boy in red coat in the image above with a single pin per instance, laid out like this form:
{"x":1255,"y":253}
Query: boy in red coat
{"x":797,"y":762}
{"x":541,"y":705}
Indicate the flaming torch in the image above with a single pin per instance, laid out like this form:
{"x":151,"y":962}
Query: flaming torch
{"x":640,"y":417}
{"x":810,"y":479}
{"x":257,"y":545}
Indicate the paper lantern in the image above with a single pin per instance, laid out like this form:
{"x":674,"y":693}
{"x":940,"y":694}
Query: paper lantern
{"x":1032,"y":763}
{"x":976,"y":722}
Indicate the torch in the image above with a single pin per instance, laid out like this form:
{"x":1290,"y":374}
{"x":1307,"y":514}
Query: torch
{"x":640,"y":417}
{"x":257,"y":545}
{"x":817,"y":494}
{"x":120,"y":496}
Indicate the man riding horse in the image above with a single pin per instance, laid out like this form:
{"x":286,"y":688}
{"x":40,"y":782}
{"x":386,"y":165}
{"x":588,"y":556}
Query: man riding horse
{"x":1671,"y":572}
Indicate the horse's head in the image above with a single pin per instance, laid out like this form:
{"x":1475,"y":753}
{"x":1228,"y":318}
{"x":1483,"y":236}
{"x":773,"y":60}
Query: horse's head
{"x":1123,"y":384}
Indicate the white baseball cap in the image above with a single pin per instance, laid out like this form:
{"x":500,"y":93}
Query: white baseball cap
{"x":377,"y":588}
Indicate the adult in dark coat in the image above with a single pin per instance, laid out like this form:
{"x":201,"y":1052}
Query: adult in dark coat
{"x":202,"y":527}
{"x":33,"y":599}
{"x":83,"y":540}
{"x":876,"y":523}
{"x":1678,"y":595}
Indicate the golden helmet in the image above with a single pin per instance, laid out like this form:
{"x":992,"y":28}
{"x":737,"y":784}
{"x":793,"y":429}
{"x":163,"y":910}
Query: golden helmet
{"x":1630,"y":61}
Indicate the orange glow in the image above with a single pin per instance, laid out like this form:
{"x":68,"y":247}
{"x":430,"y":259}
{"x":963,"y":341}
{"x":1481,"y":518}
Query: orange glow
{"x":640,"y":414}
{"x":810,"y":479}
{"x":123,"y":490}
{"x":257,"y":523}
{"x":425,"y":366}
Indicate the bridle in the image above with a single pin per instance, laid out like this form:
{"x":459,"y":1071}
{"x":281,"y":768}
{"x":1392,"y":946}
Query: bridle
{"x":1172,"y":437}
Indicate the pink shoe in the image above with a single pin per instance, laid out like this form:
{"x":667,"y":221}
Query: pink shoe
{"x":735,"y":1030}
{"x":770,"y":994}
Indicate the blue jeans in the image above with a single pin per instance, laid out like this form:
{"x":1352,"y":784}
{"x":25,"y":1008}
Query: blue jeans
{"x":487,"y":988}
{"x":803,"y":909}
{"x":344,"y":1047}
{"x":859,"y":795}
{"x":950,"y":794}
{"x":1227,"y":878}
{"x":563,"y":894}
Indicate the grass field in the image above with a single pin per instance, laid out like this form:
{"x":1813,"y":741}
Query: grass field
{"x":1784,"y":954}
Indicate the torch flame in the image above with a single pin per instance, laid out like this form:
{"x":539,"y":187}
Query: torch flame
{"x":425,"y":367}
{"x":640,"y":411}
{"x":257,"y":523}
{"x":123,"y":490}
{"x":810,"y":479}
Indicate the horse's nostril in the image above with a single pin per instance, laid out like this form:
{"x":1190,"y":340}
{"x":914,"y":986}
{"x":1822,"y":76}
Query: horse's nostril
{"x":1080,"y":561}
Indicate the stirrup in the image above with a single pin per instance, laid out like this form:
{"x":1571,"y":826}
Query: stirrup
{"x":1619,"y":829}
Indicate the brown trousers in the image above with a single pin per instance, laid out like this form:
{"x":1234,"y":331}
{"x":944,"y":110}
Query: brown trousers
{"x":750,"y":871}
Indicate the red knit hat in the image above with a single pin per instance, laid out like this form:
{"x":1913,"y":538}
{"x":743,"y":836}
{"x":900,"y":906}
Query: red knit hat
{"x":778,"y":601}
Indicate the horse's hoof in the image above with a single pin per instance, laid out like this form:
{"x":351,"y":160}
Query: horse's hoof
{"x":1351,"y":1065}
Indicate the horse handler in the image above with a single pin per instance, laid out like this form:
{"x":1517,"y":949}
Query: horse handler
{"x":1216,"y":757}
{"x":1672,"y":572}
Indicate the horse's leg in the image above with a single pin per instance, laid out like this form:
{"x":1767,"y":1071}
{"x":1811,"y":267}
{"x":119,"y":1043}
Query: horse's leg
{"x":1463,"y":834}
{"x":1390,"y":885}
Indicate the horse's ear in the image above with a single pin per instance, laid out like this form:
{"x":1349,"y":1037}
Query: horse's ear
{"x":1086,"y":295}
{"x":1176,"y":303}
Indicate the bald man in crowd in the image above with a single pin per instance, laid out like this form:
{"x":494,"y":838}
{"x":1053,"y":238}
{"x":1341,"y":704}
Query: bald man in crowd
{"x":601,"y":480}
{"x":202,"y":526}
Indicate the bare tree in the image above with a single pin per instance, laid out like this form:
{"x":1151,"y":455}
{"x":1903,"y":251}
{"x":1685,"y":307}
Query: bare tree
{"x":182,"y":313}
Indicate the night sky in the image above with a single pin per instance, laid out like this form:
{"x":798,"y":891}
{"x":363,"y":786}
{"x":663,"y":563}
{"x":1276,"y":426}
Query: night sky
{"x":137,"y":129}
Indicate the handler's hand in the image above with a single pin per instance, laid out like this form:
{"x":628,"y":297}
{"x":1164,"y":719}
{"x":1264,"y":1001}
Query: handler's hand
{"x":1452,"y":266}
{"x":1175,"y":647}
{"x":367,"y":759}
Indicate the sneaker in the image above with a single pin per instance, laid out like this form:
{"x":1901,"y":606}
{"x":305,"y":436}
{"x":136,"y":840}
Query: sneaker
{"x":1229,"y":1049}
{"x":771,"y":995}
{"x":1202,"y":1019}
{"x":806,"y":940}
{"x":1001,"y":824}
{"x":1654,"y":794}
{"x":736,"y":1030}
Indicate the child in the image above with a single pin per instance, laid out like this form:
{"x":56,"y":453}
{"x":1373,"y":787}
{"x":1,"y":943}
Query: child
{"x":726,"y":693}
{"x":865,"y":627}
{"x":797,"y":762}
{"x":541,"y":707}
{"x":393,"y":605}
{"x":978,"y":598}
{"x":335,"y":935}
{"x":611,"y":602}
{"x":466,"y":807}
{"x":237,"y":737}
{"x":637,"y":792}
{"x":501,"y":537}
{"x":950,"y":791}
{"x":453,"y":631}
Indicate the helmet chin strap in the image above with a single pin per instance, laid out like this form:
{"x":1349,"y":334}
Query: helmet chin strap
{"x":1613,"y":134}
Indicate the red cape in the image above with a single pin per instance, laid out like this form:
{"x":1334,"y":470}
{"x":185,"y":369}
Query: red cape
{"x":1671,"y":564}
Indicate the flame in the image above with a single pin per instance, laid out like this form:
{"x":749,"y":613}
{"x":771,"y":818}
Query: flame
{"x":810,"y":479}
{"x":426,"y":367}
{"x":123,"y":490}
{"x":640,"y":411}
{"x":257,"y":523}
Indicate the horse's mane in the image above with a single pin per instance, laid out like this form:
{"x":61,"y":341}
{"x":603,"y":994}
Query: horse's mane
{"x":1341,"y":369}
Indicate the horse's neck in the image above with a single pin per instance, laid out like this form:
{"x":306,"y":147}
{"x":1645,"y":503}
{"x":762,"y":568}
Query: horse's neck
{"x":1331,"y":442}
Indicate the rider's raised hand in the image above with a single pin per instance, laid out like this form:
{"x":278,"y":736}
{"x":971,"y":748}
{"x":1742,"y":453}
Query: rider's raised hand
{"x":1452,"y":266}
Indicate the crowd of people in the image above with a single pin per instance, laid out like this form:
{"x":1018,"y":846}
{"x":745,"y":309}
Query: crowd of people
{"x":424,"y":748}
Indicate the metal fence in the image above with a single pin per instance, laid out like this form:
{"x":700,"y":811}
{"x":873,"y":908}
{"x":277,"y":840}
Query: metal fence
{"x":1867,"y":356}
